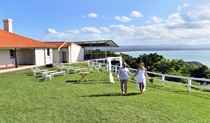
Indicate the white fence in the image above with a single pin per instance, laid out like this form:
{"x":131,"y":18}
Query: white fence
{"x":163,"y":76}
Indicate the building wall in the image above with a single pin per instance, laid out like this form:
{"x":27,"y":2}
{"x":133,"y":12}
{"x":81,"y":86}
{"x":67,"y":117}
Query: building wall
{"x":41,"y":57}
{"x":48,"y":58}
{"x":5,"y":59}
{"x":61,"y":55}
{"x":25,"y":56}
{"x":76,"y":53}
{"x":56,"y":58}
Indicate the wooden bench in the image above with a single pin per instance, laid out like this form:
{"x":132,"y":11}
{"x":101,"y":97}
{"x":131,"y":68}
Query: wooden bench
{"x":64,"y":67}
{"x":48,"y":72}
{"x":47,"y":77}
{"x":71,"y":68}
{"x":57,"y":73}
{"x":38,"y":71}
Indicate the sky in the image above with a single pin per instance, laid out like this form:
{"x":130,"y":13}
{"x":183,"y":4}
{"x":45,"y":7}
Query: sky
{"x":127,"y":22}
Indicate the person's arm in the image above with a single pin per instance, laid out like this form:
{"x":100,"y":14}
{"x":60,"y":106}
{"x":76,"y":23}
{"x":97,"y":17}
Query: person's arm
{"x":129,"y":73}
{"x":146,"y":75}
{"x":118,"y":74}
{"x":136,"y":73}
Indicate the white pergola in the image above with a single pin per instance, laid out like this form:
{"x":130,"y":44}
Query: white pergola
{"x":109,"y":65}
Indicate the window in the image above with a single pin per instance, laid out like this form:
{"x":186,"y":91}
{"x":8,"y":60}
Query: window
{"x":12,"y":53}
{"x":48,"y":52}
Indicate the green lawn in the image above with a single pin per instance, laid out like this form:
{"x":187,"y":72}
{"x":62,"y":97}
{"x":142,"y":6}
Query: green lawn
{"x":25,"y":98}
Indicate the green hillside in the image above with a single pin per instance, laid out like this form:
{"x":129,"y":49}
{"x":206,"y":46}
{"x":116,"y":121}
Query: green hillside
{"x":26,"y":99}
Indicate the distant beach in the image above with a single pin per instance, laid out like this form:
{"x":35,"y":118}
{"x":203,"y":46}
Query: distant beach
{"x":202,"y":56}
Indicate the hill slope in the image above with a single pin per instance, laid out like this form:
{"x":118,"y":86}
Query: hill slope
{"x":25,"y":98}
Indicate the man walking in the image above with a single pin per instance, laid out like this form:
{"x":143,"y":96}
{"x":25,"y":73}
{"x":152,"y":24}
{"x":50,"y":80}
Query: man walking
{"x":123,"y":76}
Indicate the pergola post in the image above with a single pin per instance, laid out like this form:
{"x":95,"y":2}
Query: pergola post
{"x":105,"y":51}
{"x":110,"y":51}
{"x":16,"y":64}
{"x":97,"y":51}
{"x":91,"y":51}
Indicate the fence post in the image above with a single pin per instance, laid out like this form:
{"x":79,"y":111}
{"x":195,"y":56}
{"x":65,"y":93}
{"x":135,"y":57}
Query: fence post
{"x":115,"y":69}
{"x":189,"y":84}
{"x":163,"y":79}
{"x":88,"y":62}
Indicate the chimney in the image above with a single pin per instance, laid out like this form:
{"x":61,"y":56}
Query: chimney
{"x":8,"y":25}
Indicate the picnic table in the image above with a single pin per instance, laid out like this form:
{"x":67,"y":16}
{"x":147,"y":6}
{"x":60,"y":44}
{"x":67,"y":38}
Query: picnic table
{"x":80,"y":69}
{"x":83,"y":75}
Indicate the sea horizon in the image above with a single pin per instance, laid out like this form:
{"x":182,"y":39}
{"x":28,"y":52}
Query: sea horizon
{"x":202,"y":56}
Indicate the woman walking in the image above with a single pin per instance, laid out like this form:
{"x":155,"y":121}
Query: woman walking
{"x":141,"y":80}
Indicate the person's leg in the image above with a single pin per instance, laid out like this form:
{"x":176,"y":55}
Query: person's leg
{"x":140,"y":87}
{"x":125,"y":86}
{"x":143,"y":88}
{"x":121,"y":85}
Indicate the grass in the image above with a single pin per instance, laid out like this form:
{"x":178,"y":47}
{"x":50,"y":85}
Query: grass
{"x":25,"y":99}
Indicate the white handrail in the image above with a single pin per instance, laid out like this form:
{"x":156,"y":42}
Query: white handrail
{"x":189,"y":85}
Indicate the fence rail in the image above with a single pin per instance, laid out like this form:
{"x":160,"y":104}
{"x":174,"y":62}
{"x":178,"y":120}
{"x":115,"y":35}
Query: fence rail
{"x":163,"y":76}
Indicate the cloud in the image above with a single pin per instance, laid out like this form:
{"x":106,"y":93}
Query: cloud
{"x":51,"y":31}
{"x":148,"y":22}
{"x":104,"y":29}
{"x":92,"y":15}
{"x":156,"y":19}
{"x":179,"y":8}
{"x":189,"y":27}
{"x":53,"y":35}
{"x":123,"y":18}
{"x":186,"y":5}
{"x":73,"y":31}
{"x":122,"y":28}
{"x":92,"y":30}
{"x":136,"y":14}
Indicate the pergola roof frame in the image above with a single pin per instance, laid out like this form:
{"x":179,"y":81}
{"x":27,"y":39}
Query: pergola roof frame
{"x":98,"y":43}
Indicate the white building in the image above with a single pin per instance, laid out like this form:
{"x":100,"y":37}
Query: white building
{"x":19,"y":50}
{"x":67,"y":52}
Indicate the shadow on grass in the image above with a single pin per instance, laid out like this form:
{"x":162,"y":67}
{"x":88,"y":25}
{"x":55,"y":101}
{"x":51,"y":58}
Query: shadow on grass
{"x":43,"y":80}
{"x":29,"y":74}
{"x":110,"y":95}
{"x":93,"y":82}
{"x":73,"y":81}
{"x":205,"y":96}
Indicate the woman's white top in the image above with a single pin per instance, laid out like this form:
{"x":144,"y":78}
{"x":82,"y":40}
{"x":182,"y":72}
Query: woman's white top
{"x":141,"y":76}
{"x":123,"y":73}
{"x":141,"y":79}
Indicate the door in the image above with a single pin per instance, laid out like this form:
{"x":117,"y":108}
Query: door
{"x":64,"y":56}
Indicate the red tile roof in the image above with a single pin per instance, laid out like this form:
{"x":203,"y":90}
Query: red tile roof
{"x":11,"y":40}
{"x":55,"y":44}
{"x":59,"y":44}
{"x":66,"y":45}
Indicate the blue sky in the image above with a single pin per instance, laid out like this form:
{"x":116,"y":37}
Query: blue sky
{"x":127,"y":22}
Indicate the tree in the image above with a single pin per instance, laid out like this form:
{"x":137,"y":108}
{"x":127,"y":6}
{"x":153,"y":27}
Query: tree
{"x":130,"y":60}
{"x":201,"y":72}
{"x":150,"y":61}
{"x":163,"y":66}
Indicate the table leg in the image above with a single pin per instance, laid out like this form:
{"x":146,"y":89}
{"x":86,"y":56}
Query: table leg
{"x":83,"y":76}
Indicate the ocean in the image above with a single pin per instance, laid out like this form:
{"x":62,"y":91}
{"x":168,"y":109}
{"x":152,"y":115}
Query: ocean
{"x":202,"y":56}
